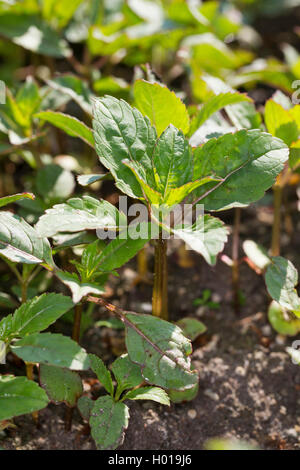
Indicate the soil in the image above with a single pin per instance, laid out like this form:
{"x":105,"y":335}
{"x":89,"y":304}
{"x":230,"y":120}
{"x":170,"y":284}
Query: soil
{"x":249,"y":388}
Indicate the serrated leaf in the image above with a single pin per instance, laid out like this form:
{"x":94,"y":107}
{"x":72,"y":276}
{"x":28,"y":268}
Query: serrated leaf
{"x":257,"y":254}
{"x":77,"y":214}
{"x":20,"y":243}
{"x":69,"y":124}
{"x":123,"y":133}
{"x":161,"y":105}
{"x":281,"y":278}
{"x":19,"y":396}
{"x":281,"y":321}
{"x":32,"y":33}
{"x":51,"y":349}
{"x":127,"y":374}
{"x":108,"y":422}
{"x":213,"y":105}
{"x":79,"y":289}
{"x":103,"y":374}
{"x":280,"y":122}
{"x":34,"y":315}
{"x":61,"y":385}
{"x":161,"y":351}
{"x":207,"y":236}
{"x":191,"y":327}
{"x":15,"y":197}
{"x":75,"y":88}
{"x":148,"y":393}
{"x":248,"y":161}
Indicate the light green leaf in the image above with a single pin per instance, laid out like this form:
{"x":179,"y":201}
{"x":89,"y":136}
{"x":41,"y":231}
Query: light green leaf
{"x":161,"y":105}
{"x":52,"y":349}
{"x":213,"y":105}
{"x":77,"y":214}
{"x":186,"y":395}
{"x":207,"y":236}
{"x":34,"y":315}
{"x":59,"y":12}
{"x":75,"y":88}
{"x":280,"y":122}
{"x":127,"y":374}
{"x":79,"y":289}
{"x":108,"y":422}
{"x":257,"y":254}
{"x":20,"y":243}
{"x":19,"y":396}
{"x":85,"y":405}
{"x":85,"y":180}
{"x":148,"y":393}
{"x":32,"y":33}
{"x":122,"y":133}
{"x":69,"y":124}
{"x":281,"y":321}
{"x":248,"y":161}
{"x":15,"y":197}
{"x":191,"y":327}
{"x":161,"y":351}
{"x":281,"y":278}
{"x":103,"y":374}
{"x":61,"y":385}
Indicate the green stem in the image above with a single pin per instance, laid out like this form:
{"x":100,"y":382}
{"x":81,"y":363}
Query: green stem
{"x":235,"y":260}
{"x":160,"y":285}
{"x":275,"y":244}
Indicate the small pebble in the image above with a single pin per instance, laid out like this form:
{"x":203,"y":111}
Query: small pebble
{"x":212,"y":395}
{"x":280,"y":339}
{"x":192,"y":414}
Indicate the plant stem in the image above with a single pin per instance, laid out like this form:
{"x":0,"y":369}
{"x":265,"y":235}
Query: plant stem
{"x":77,"y":323}
{"x":75,"y":337}
{"x":160,"y":285}
{"x":275,"y":245}
{"x":142,"y":264}
{"x":235,"y":260}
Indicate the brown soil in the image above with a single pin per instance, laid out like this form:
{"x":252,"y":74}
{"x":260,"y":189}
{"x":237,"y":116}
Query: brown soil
{"x":249,"y":388}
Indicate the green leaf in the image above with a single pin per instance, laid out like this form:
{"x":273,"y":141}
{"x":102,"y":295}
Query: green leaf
{"x":161,"y":351}
{"x":60,"y":12}
{"x":161,"y":105}
{"x":123,"y":133}
{"x":69,"y":124}
{"x":20,"y":243}
{"x":127,"y":374}
{"x":79,"y":289}
{"x":77,"y":214}
{"x":32,"y":33}
{"x":75,"y":88}
{"x":257,"y":254}
{"x":108,"y":422}
{"x":281,"y":278}
{"x":148,"y":393}
{"x":280,"y":122}
{"x":120,"y":250}
{"x":19,"y":396}
{"x":51,"y":349}
{"x":186,"y":395}
{"x":102,"y":373}
{"x":85,"y":406}
{"x":207,"y":236}
{"x":61,"y":385}
{"x":248,"y":161}
{"x":34,"y":315}
{"x":85,"y":180}
{"x":54,"y":183}
{"x":28,"y":100}
{"x":213,"y":105}
{"x":4,"y":201}
{"x":281,"y":321}
{"x":191,"y":327}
